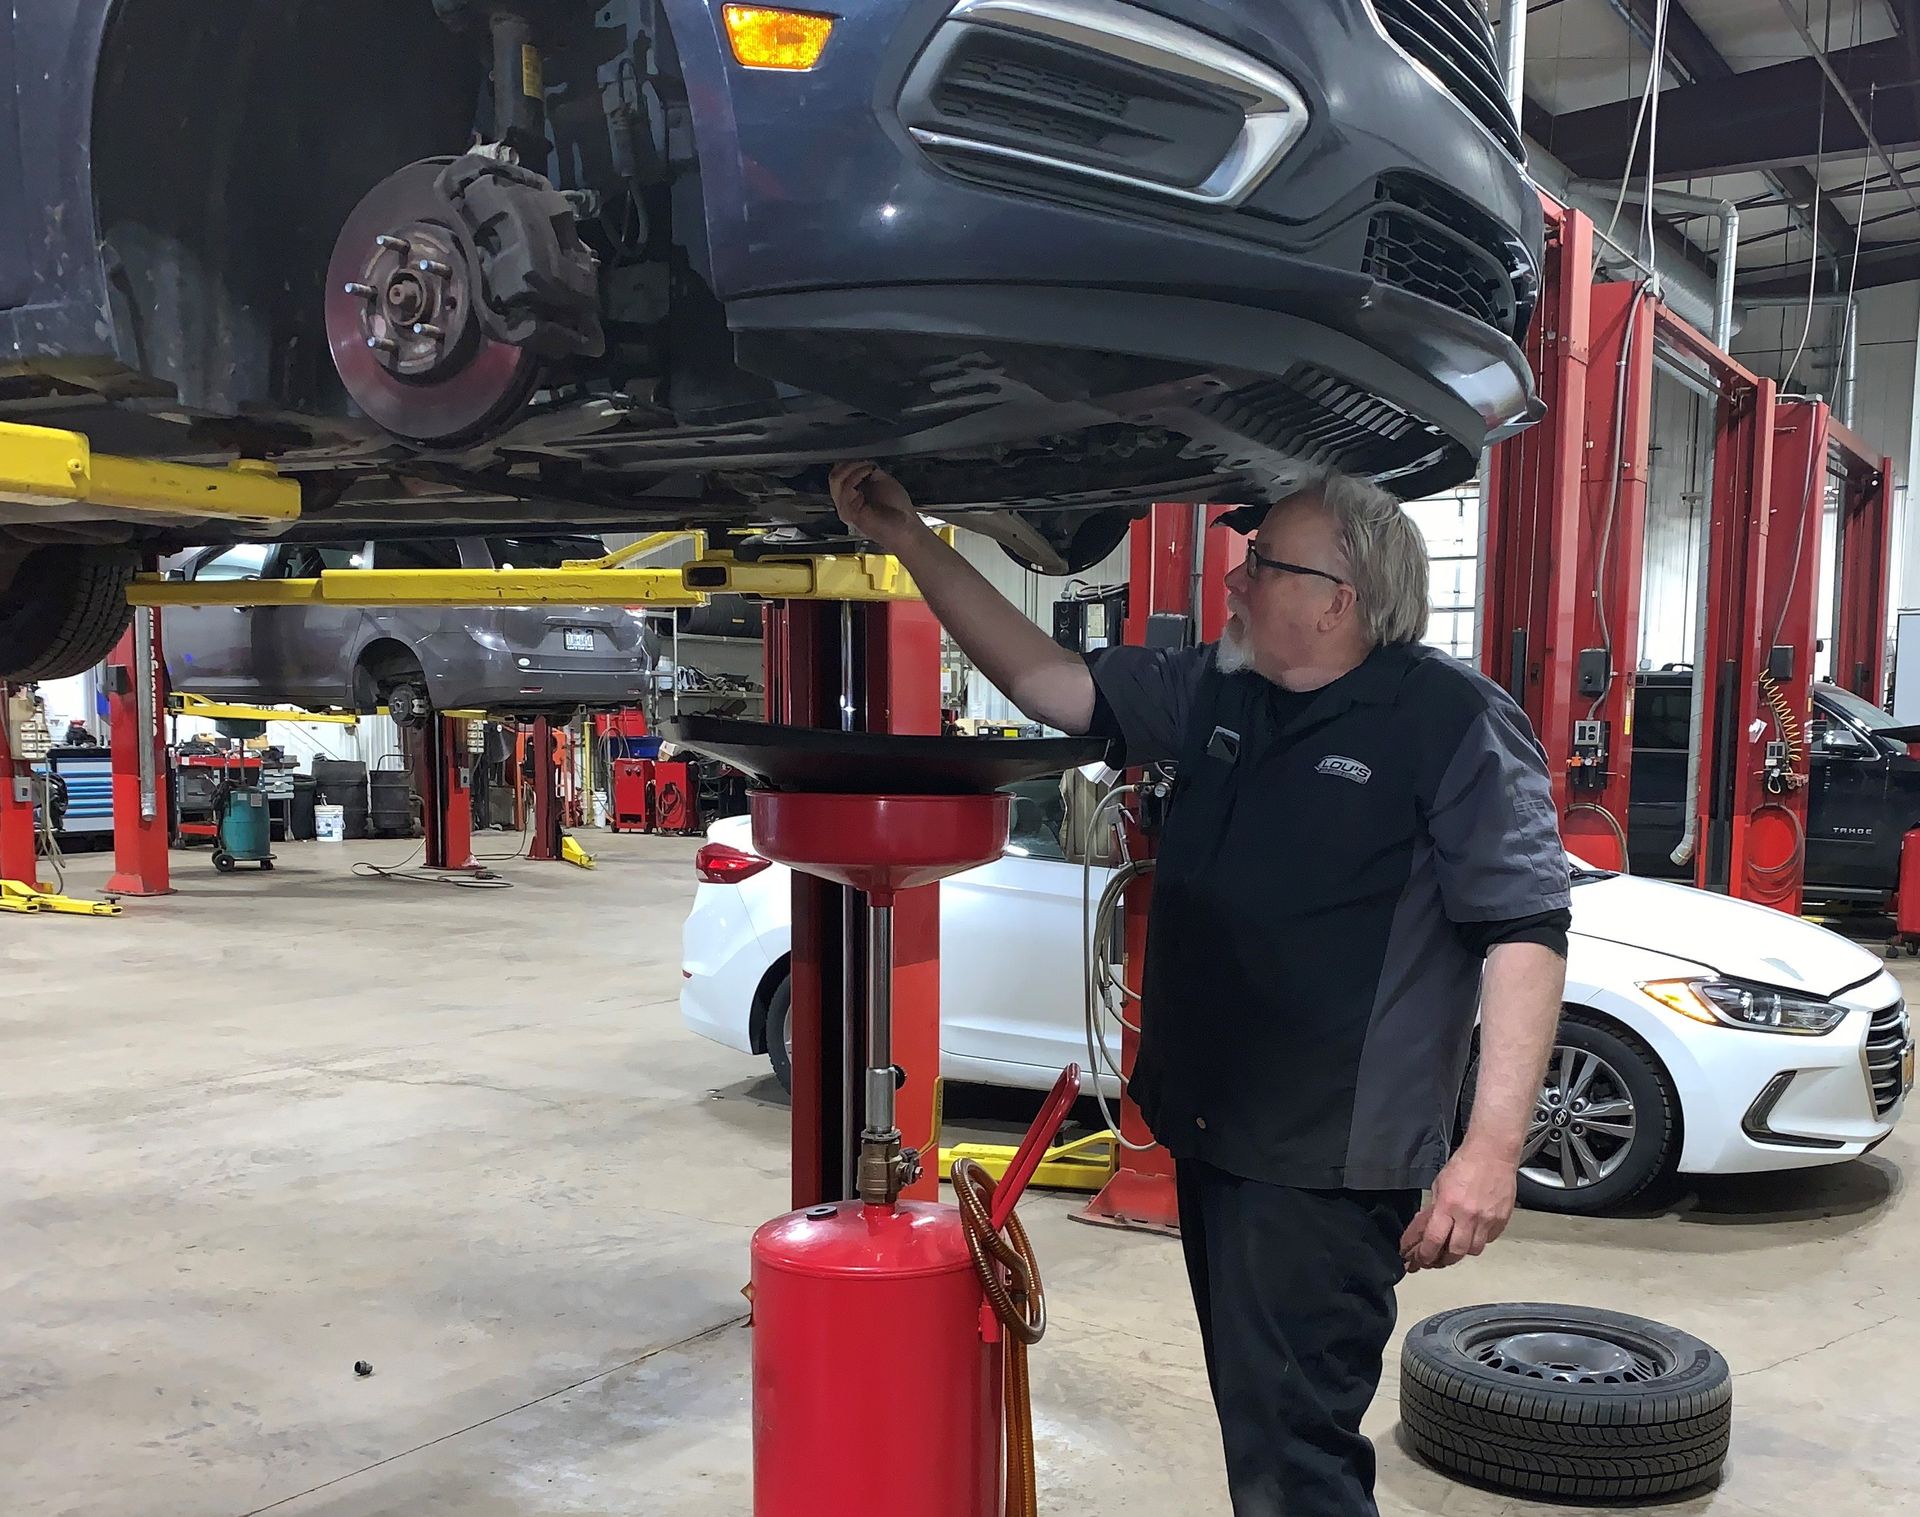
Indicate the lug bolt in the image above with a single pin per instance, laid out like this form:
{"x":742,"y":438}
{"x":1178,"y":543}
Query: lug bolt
{"x":398,"y":245}
{"x":364,"y":291}
{"x":433,"y":266}
{"x":383,"y":344}
{"x":427,"y":329}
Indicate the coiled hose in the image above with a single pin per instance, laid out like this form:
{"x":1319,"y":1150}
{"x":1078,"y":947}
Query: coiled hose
{"x":1789,"y":725}
{"x":1612,"y":821}
{"x":1774,"y":883}
{"x":1010,"y":1276}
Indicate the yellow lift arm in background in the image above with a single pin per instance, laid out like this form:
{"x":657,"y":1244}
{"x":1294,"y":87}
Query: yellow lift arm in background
{"x":830,"y":576}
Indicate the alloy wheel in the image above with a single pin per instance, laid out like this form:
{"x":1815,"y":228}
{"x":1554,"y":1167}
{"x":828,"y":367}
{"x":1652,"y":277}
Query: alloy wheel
{"x":1583,"y":1124}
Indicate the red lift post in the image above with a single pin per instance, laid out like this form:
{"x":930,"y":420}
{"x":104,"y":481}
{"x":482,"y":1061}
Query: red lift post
{"x":1747,"y":840}
{"x":443,"y":774}
{"x":1164,"y":577}
{"x":18,"y":856}
{"x":1866,"y":531}
{"x":1776,"y":839}
{"x":136,"y":718}
{"x":549,"y":822}
{"x":1565,"y":538}
{"x":875,"y":668}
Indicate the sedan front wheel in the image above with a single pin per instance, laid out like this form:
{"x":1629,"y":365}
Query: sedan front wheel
{"x":1604,"y":1126}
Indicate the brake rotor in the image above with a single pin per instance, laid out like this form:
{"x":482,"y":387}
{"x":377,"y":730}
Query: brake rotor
{"x":402,"y":293}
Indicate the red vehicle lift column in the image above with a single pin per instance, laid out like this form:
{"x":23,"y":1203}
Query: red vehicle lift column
{"x":1164,"y":577}
{"x":18,"y":856}
{"x":444,"y":775}
{"x":1534,"y":502}
{"x":1866,"y":528}
{"x":876,"y":668}
{"x":1735,"y":726}
{"x":1775,"y":843}
{"x":546,"y":839}
{"x":1565,"y":535}
{"x":136,"y":717}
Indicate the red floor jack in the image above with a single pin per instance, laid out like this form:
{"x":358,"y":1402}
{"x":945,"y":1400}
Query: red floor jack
{"x":878,"y":1302}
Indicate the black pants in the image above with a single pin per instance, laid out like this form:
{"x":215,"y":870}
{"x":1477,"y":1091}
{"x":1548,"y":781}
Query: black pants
{"x":1295,"y":1294}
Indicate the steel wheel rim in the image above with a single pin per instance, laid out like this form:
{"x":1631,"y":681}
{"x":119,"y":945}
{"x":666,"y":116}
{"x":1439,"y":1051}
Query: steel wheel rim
{"x":1567,"y":1355}
{"x":1584,"y":1122}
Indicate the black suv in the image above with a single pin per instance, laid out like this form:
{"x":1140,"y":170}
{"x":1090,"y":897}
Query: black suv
{"x":1863,"y":792}
{"x":469,"y":265}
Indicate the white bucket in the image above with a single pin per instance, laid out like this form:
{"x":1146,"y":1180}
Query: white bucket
{"x":330,"y":824}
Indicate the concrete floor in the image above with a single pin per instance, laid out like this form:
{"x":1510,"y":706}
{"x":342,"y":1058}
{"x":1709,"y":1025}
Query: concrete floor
{"x":270,"y":1126}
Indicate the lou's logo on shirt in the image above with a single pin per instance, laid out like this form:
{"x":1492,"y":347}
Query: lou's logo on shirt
{"x":1346,"y":768}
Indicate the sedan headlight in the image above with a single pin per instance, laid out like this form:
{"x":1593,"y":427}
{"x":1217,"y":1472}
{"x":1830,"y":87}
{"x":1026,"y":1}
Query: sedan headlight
{"x":1740,"y":1003}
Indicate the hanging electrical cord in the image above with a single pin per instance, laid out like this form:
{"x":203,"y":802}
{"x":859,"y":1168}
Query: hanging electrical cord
{"x":1648,"y":92}
{"x":1813,"y":230}
{"x":49,"y":833}
{"x":1621,"y":379}
{"x":1655,"y":68}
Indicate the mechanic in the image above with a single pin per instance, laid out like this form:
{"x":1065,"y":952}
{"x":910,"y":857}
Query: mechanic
{"x":1361,"y":842}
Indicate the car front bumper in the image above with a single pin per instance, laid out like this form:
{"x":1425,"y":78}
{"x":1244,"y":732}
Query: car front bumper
{"x":1758,"y":1101}
{"x":829,"y":205}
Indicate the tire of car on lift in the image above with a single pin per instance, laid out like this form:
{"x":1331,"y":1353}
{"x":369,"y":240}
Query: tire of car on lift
{"x":65,"y":611}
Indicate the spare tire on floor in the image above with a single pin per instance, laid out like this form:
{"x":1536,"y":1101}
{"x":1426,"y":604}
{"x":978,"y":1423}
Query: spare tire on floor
{"x":1565,"y":1401}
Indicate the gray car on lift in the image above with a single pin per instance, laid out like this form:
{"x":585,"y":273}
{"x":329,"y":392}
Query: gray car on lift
{"x":512,"y":660}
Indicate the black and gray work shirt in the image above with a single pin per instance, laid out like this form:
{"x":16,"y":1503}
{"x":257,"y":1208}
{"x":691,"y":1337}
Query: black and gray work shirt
{"x":1334,"y":866}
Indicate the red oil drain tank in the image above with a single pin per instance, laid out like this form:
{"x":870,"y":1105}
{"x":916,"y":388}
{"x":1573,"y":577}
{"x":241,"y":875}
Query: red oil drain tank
{"x":868,"y":1332}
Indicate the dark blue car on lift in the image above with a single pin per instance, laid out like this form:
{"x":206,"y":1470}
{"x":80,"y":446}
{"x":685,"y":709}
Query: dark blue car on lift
{"x":1051,"y":260}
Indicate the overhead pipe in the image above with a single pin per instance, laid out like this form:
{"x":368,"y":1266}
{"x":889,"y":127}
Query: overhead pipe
{"x":1513,"y":67}
{"x":1849,"y":360}
{"x":1849,"y":345}
{"x":1679,"y":200}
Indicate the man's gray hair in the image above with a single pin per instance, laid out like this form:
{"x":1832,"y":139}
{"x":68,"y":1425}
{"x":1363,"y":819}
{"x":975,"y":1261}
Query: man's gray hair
{"x":1385,"y":554}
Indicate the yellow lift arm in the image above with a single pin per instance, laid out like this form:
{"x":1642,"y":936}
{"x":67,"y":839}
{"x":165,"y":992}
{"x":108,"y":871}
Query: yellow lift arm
{"x":48,"y":467}
{"x":832,"y":576}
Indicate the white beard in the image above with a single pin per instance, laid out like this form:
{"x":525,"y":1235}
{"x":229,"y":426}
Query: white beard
{"x":1232,"y":655}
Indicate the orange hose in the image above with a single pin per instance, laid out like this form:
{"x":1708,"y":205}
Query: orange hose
{"x":1010,"y":1276}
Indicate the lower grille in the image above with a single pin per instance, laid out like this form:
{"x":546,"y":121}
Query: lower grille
{"x":1423,"y":241}
{"x":1889,"y":1036}
{"x":1310,"y":417}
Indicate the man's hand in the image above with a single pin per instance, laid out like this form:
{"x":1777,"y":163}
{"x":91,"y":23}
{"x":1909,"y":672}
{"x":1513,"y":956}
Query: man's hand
{"x":1472,"y":1203}
{"x":873,"y":503}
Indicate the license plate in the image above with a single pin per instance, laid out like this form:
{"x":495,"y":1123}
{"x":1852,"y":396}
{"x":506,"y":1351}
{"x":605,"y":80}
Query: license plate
{"x":579,"y":640}
{"x":1906,"y":1070}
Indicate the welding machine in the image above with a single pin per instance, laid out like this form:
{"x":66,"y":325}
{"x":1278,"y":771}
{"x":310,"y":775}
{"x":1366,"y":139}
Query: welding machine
{"x":632,"y":795}
{"x":676,"y":796}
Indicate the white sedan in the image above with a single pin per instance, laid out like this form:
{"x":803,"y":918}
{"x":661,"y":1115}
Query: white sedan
{"x":1701,"y":1034}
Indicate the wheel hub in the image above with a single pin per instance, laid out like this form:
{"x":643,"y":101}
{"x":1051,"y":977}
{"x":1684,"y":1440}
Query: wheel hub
{"x":1571,"y":1358}
{"x":1583,"y":1124}
{"x":417,"y":311}
{"x":404,"y":320}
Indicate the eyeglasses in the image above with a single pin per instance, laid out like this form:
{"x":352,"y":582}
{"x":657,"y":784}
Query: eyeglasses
{"x":1258,"y":561}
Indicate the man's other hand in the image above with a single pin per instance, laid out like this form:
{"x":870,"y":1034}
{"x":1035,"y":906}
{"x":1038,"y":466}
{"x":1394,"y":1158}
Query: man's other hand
{"x":872,"y":502}
{"x":1472,"y":1203}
